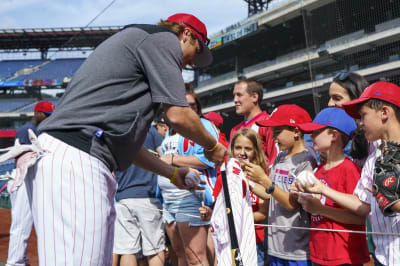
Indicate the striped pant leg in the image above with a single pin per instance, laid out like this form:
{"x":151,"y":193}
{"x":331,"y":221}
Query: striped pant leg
{"x":21,"y":226}
{"x":73,"y":208}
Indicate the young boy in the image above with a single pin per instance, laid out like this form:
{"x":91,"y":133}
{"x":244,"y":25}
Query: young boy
{"x":378,"y":109}
{"x":330,"y":131}
{"x":285,"y":246}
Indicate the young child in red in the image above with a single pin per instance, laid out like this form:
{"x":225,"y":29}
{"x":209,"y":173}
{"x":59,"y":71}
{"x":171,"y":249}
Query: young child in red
{"x":331,"y":129}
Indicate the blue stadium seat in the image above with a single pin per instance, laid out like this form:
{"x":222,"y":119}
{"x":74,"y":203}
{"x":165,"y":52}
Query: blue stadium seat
{"x":57,"y":69}
{"x":8,"y":68}
{"x":11,"y":105}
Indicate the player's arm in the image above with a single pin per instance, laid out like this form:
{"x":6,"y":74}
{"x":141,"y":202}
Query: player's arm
{"x":256,"y":173}
{"x":313,"y":205}
{"x":148,"y":161}
{"x":187,"y":123}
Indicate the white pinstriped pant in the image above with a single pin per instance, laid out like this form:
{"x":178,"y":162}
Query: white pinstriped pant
{"x":72,"y":205}
{"x":21,"y":226}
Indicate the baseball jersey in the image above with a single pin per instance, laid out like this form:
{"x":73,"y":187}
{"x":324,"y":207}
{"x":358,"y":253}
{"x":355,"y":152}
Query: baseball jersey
{"x":386,"y":247}
{"x":178,"y":145}
{"x":137,"y":182}
{"x":286,"y":243}
{"x":336,"y":248}
{"x":243,"y":217}
{"x":269,"y":146}
{"x":259,"y":230}
{"x":109,"y":104}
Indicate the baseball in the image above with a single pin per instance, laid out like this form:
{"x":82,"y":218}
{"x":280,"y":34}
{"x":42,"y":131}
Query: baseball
{"x":306,"y":177}
{"x":192,"y":179}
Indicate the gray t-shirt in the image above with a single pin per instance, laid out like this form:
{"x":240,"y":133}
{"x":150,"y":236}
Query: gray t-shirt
{"x":112,"y":98}
{"x":285,"y":243}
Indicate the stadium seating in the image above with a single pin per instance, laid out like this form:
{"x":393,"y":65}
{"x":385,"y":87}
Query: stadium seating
{"x":8,"y":68}
{"x":57,"y":69}
{"x":10,"y":105}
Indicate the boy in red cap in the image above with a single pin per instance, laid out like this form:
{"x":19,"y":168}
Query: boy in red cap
{"x":378,"y":109}
{"x":330,"y":131}
{"x":285,"y":245}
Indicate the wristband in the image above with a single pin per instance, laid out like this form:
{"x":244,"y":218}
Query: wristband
{"x":270,"y":189}
{"x":174,"y":175}
{"x":214,"y":148}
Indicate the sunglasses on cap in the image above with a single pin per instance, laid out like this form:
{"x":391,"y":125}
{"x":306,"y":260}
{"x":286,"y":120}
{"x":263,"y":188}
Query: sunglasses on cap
{"x":342,"y":76}
{"x":207,"y":41}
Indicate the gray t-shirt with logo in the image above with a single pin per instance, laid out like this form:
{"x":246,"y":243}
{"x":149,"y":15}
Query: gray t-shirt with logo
{"x":111,"y":100}
{"x":285,"y":243}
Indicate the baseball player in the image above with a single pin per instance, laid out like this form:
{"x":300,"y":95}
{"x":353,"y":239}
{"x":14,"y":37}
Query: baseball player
{"x":21,"y":217}
{"x":99,"y":126}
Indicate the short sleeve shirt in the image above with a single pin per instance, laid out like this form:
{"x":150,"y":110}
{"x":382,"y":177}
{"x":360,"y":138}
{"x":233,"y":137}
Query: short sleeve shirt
{"x":113,"y":96}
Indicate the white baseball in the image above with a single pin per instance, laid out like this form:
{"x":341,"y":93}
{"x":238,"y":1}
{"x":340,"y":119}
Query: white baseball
{"x":305,"y":177}
{"x":192,"y":179}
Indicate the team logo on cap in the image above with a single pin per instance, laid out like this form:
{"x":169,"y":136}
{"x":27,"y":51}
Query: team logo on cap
{"x":292,"y":121}
{"x":378,"y":93}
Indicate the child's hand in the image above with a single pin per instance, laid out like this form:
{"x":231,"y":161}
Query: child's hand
{"x":294,"y":191}
{"x":205,"y":213}
{"x":254,"y":172}
{"x":316,"y":188}
{"x":310,"y":203}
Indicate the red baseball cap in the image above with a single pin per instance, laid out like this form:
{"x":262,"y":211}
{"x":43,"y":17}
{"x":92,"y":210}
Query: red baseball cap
{"x":287,"y":114}
{"x":381,"y":90}
{"x":199,"y":29}
{"x":215,"y":118}
{"x":45,"y":107}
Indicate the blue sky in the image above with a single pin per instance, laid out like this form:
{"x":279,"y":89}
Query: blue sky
{"x":216,"y":14}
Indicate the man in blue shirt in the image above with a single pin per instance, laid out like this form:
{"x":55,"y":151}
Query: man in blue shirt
{"x":138,"y":225}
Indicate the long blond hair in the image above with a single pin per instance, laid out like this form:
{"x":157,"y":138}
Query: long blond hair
{"x":259,"y":158}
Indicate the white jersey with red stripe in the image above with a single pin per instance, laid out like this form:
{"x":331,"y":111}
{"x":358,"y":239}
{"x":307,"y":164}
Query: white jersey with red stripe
{"x":243,"y":217}
{"x":387,"y":248}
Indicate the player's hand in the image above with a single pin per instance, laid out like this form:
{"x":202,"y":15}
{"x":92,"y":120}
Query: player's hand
{"x":254,"y":172}
{"x":180,"y":179}
{"x":205,"y":213}
{"x":216,"y":156}
{"x":310,"y":204}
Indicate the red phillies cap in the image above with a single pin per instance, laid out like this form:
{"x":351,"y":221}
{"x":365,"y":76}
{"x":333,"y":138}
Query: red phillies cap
{"x":45,"y":107}
{"x":382,"y":90}
{"x":215,"y":118}
{"x":199,"y":29}
{"x":286,"y":115}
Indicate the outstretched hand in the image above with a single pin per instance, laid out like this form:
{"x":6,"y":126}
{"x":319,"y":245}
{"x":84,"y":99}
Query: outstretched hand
{"x":216,"y":156}
{"x":180,"y":179}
